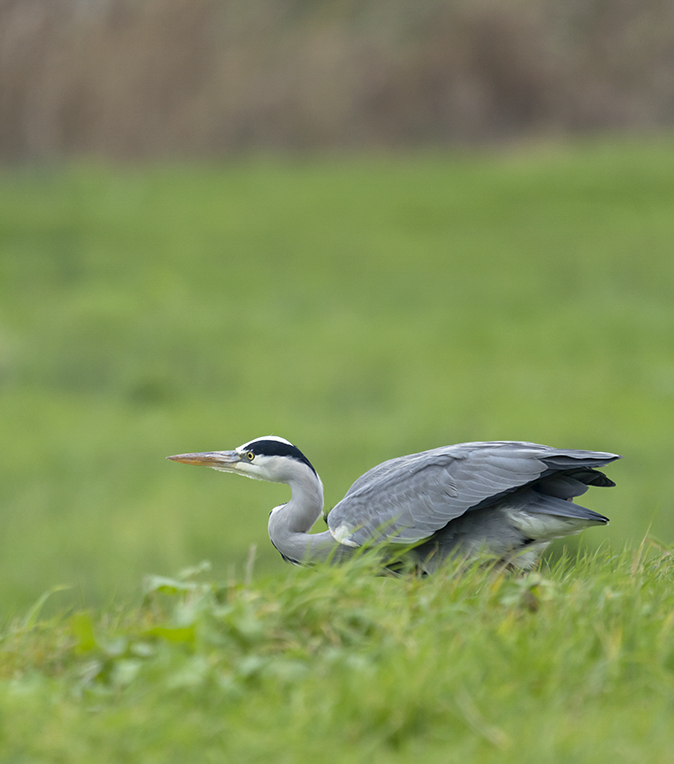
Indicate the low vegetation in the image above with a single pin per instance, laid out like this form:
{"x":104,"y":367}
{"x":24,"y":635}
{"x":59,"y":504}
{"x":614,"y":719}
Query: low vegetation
{"x":572,"y":662}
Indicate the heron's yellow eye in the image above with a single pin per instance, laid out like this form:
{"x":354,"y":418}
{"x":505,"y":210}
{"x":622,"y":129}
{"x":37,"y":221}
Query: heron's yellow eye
{"x":250,"y":455}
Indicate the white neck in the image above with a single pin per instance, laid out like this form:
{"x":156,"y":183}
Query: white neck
{"x":289,"y":524}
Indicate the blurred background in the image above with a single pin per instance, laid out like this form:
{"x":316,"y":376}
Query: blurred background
{"x":139,"y":79}
{"x":370,"y":227}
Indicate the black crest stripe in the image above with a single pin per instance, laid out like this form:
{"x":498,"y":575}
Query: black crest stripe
{"x":277,"y":448}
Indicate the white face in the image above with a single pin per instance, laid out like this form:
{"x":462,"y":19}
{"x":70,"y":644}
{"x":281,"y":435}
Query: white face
{"x":277,"y":468}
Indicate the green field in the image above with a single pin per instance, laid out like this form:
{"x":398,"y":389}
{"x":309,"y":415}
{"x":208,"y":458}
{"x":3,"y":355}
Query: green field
{"x":363,"y":308}
{"x":340,"y":665}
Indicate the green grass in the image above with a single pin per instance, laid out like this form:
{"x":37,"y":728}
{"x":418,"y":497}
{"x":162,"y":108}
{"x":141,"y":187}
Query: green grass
{"x":363,"y":308}
{"x":571,"y":664}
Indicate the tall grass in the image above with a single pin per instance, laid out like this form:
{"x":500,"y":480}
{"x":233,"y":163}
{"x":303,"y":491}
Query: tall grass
{"x":572,"y":663}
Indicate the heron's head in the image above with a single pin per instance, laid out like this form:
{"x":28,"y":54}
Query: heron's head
{"x":268,"y":458}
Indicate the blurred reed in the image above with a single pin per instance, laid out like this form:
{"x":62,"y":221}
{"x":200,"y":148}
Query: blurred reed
{"x":133,"y":79}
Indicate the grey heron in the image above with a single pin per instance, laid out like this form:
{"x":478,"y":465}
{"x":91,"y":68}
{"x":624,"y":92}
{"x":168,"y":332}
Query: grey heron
{"x":507,"y":498}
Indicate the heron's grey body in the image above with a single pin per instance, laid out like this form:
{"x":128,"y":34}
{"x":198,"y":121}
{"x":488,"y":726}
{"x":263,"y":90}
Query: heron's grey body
{"x":509,"y":499}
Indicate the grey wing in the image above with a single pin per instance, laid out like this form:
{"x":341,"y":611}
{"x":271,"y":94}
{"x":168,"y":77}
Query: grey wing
{"x":407,"y":499}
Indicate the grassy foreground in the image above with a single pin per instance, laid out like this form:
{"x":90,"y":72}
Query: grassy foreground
{"x":572,"y":663}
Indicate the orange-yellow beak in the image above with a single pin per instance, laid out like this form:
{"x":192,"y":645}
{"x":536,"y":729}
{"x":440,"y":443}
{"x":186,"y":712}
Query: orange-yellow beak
{"x":219,"y":460}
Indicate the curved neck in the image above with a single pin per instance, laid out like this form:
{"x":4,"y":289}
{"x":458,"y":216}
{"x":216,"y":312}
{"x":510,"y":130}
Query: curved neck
{"x":306,"y":504}
{"x":289,"y":524}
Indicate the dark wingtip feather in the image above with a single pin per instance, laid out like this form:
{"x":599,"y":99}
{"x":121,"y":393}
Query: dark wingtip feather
{"x":592,"y":477}
{"x":551,"y":505}
{"x":602,"y":481}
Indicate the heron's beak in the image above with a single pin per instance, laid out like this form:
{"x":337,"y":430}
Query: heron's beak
{"x":219,"y":460}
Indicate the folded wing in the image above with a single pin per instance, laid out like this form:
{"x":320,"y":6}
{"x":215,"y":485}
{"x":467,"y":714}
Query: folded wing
{"x":408,"y":499}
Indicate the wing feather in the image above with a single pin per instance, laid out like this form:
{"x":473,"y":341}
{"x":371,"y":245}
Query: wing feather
{"x":407,"y":499}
